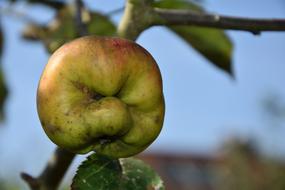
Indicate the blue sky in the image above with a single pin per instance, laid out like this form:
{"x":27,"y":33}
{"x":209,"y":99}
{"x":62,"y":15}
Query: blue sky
{"x":204,"y":105}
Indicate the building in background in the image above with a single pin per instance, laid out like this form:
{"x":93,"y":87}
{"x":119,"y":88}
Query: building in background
{"x":237,"y":167}
{"x":183,"y":172}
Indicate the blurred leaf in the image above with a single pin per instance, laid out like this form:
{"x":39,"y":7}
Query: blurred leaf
{"x":9,"y":184}
{"x":177,"y":4}
{"x":33,"y":32}
{"x":63,"y":28}
{"x":3,"y":94}
{"x":1,"y":40}
{"x":214,"y":44}
{"x":100,"y":172}
{"x":100,"y":25}
{"x":3,"y":88}
{"x":51,"y":3}
{"x":56,"y":4}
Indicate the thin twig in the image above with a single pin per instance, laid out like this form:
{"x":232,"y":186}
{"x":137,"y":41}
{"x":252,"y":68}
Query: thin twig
{"x":10,"y":11}
{"x":115,"y":11}
{"x":188,"y":17}
{"x":81,"y":27}
{"x":53,"y":173}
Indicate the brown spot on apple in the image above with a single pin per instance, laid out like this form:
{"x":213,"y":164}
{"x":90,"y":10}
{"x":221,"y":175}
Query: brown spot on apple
{"x":53,"y":129}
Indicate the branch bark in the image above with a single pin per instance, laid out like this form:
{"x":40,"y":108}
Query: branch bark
{"x":53,"y":173}
{"x":81,"y":26}
{"x":136,"y":18}
{"x":188,"y":17}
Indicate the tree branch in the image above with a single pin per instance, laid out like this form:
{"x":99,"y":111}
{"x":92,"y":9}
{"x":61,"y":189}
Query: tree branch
{"x":11,"y":11}
{"x":52,"y":175}
{"x":115,"y":11}
{"x":79,"y":7}
{"x":136,"y":18}
{"x":188,"y":17}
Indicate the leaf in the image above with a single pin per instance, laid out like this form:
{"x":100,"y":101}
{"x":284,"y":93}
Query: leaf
{"x":177,"y":4}
{"x":50,"y":3}
{"x":140,"y":176}
{"x":213,"y":44}
{"x":3,"y":94}
{"x":63,"y":28}
{"x":101,"y":172}
{"x":3,"y":87}
{"x":56,"y":4}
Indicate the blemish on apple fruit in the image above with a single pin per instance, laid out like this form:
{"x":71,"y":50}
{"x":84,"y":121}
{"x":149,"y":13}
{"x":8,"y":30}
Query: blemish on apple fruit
{"x":53,"y":129}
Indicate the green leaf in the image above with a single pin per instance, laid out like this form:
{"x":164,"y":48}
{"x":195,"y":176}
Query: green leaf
{"x":213,"y":44}
{"x":56,"y":4}
{"x":3,"y":87}
{"x":177,"y":4}
{"x":100,"y":172}
{"x":63,"y":28}
{"x":50,"y":3}
{"x":3,"y":94}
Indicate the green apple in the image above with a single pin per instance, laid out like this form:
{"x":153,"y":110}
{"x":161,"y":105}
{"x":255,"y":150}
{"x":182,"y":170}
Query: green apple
{"x":102,"y":94}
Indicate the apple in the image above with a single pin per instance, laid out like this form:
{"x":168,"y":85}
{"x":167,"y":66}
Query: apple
{"x":101,"y":94}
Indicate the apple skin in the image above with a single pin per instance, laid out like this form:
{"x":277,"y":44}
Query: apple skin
{"x":103,"y":94}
